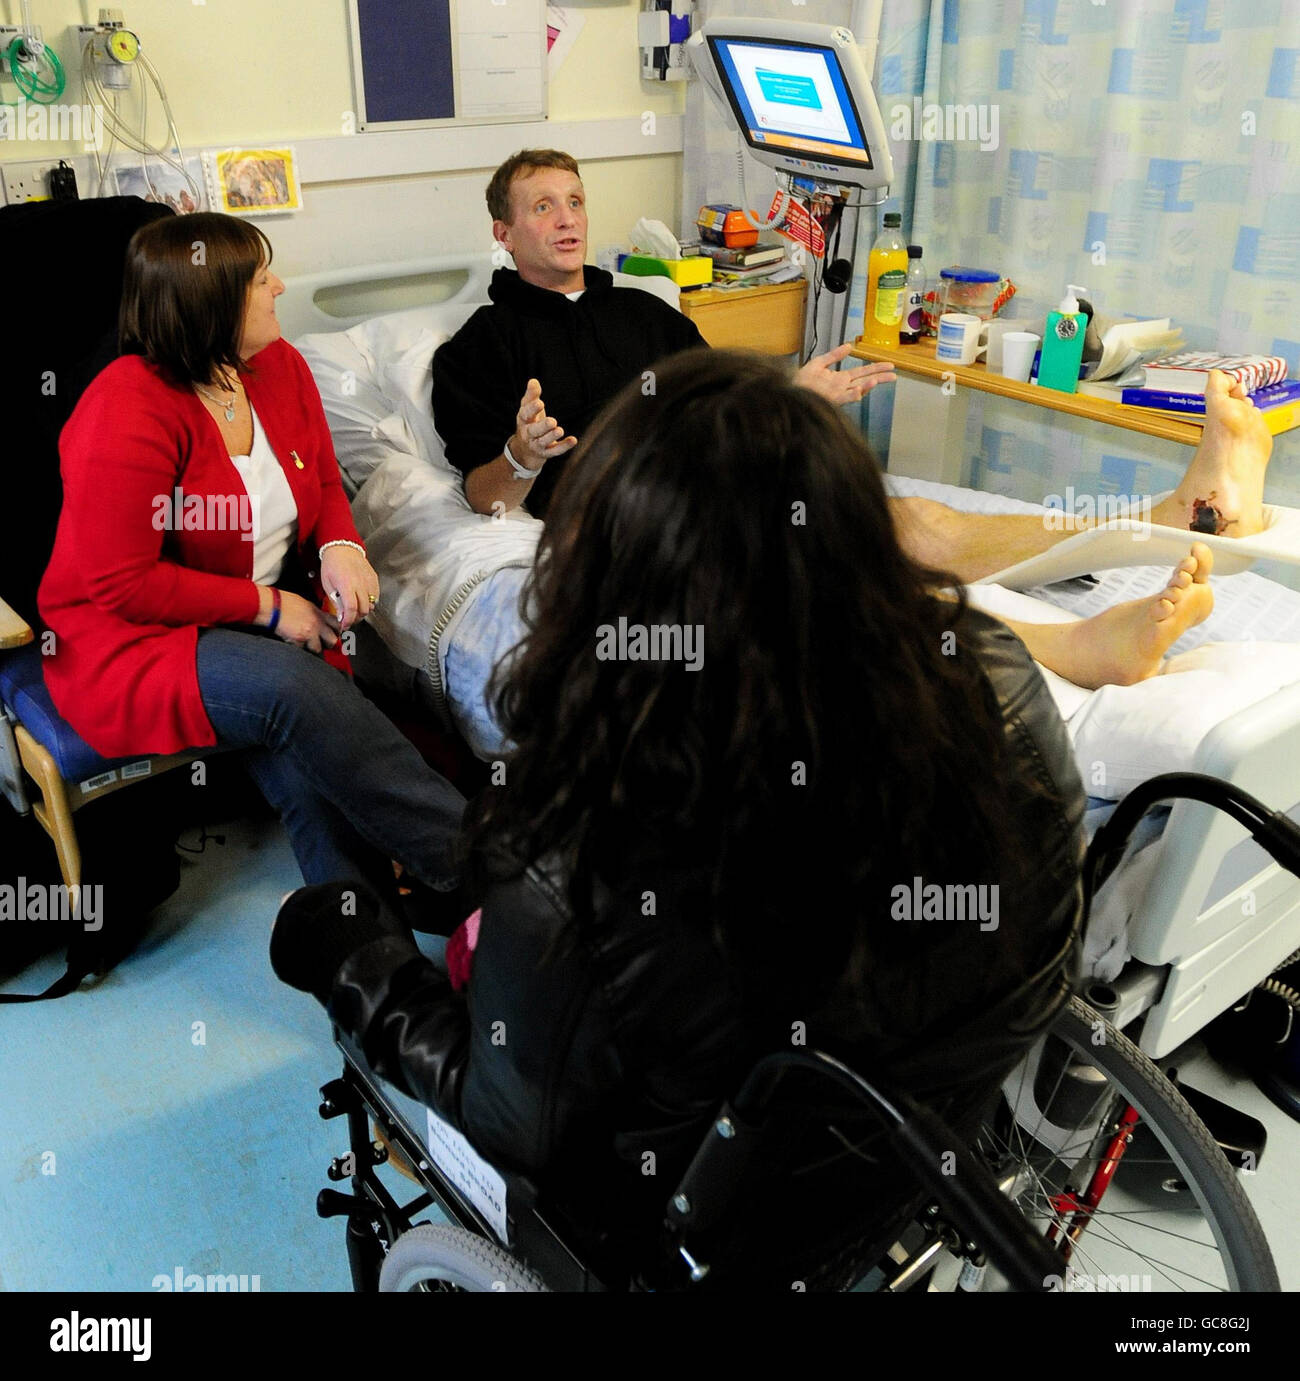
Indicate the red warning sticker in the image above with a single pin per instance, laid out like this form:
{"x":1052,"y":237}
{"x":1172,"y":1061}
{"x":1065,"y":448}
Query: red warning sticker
{"x":799,"y":226}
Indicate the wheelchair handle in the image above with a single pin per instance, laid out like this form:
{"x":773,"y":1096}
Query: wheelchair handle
{"x":1275,"y":832}
{"x":963,"y":1186}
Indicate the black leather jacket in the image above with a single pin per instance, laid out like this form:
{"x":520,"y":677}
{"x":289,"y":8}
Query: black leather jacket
{"x":594,"y":1065}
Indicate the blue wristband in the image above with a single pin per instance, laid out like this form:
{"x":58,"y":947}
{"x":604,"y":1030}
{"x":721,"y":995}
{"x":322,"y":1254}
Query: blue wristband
{"x":275,"y":610}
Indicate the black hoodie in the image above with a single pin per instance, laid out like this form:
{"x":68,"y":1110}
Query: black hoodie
{"x":581,"y":352}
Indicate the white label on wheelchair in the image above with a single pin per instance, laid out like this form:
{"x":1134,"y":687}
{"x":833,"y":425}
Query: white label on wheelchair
{"x":470,"y":1173}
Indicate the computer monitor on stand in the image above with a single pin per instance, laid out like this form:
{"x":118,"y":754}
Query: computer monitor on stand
{"x":800,"y":96}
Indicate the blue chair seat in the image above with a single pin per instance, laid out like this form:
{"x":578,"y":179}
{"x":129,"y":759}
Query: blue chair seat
{"x":22,"y":689}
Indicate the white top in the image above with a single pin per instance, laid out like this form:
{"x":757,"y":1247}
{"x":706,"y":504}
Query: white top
{"x":274,"y":510}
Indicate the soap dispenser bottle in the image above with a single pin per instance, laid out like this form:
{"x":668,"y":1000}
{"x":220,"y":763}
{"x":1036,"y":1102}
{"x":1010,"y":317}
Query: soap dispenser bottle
{"x":1063,"y":344}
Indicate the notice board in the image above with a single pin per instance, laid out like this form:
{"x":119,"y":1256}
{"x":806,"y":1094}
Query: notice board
{"x":427,"y":62}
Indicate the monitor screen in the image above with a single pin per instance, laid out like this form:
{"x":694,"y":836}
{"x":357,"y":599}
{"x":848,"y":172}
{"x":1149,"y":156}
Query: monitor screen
{"x":791,"y":99}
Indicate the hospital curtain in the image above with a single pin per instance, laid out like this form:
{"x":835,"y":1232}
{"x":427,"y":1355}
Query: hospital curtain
{"x":1143,"y":148}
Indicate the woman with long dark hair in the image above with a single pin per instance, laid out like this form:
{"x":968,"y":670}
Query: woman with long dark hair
{"x":758,"y":771}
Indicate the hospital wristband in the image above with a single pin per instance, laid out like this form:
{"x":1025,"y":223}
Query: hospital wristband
{"x":522,"y":472}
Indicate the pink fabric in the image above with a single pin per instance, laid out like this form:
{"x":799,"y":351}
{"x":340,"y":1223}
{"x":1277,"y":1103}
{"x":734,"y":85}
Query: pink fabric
{"x":460,"y":951}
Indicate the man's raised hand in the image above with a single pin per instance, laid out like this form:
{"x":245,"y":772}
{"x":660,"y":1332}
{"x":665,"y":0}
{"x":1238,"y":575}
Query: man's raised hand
{"x":843,"y":386}
{"x":537,"y":437}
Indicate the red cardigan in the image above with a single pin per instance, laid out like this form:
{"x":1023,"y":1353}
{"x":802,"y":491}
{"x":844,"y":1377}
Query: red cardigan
{"x":128,"y":588}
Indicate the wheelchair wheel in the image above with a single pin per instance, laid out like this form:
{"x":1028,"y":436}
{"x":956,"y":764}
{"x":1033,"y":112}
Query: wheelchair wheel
{"x":1128,"y":1184}
{"x":440,"y":1257}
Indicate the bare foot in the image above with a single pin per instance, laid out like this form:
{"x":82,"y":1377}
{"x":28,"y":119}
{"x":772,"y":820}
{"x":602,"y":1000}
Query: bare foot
{"x":1223,"y":489}
{"x":1126,"y":644}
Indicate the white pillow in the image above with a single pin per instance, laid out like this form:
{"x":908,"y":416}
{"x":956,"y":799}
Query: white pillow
{"x":375,"y":381}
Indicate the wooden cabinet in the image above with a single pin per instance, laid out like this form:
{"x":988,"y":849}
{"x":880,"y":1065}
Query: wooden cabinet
{"x":767,"y":317}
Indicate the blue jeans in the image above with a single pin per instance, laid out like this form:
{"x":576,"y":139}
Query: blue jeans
{"x":351,"y":790}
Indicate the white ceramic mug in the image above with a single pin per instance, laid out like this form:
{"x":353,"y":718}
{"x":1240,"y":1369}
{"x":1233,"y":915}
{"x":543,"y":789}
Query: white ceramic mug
{"x":1018,"y":351}
{"x":961,"y":338}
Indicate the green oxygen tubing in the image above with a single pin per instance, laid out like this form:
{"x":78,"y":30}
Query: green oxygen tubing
{"x":33,"y":65}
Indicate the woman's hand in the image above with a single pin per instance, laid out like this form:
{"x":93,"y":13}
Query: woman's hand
{"x":300,"y":621}
{"x":350,"y":579}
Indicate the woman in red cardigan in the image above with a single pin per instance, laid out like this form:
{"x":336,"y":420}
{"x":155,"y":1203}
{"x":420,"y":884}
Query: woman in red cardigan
{"x":205,"y":553}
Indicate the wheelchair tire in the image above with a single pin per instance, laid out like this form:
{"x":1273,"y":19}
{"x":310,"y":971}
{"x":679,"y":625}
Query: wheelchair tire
{"x":439,"y":1255}
{"x":1201,"y":1234}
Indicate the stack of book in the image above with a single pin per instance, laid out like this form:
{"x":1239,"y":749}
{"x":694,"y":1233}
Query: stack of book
{"x":754,"y":261}
{"x":1175,"y":386}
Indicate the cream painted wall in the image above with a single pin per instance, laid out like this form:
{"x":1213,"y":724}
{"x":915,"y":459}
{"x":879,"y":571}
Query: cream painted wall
{"x":260,"y":71}
{"x":408,"y":217}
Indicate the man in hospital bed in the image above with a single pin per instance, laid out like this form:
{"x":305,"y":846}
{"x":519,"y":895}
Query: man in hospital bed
{"x":539,"y":217}
{"x":588,"y":351}
{"x":562,"y":335}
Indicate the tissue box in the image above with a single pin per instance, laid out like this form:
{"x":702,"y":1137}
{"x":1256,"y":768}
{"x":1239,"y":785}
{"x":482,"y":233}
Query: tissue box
{"x":686,"y":273}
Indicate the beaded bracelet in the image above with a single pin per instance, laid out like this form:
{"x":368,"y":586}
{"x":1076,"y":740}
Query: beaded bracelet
{"x":340,"y":542}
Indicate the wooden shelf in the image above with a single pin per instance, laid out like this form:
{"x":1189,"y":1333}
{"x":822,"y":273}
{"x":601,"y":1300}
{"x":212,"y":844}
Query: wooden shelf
{"x":766,"y":316}
{"x":919,"y":360}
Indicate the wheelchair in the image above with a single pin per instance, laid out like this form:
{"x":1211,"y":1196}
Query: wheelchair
{"x":1090,"y":1170}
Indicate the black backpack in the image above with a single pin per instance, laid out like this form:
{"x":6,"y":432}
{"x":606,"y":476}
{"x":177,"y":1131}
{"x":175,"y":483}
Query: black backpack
{"x":129,"y":863}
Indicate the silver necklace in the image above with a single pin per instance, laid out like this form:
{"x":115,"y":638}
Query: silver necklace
{"x":212,"y":398}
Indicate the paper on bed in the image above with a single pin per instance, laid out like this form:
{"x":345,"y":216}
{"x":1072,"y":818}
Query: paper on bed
{"x":1247,"y":607}
{"x":1114,"y":544}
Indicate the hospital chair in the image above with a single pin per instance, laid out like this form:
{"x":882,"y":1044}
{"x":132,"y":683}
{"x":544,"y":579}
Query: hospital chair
{"x":70,"y":339}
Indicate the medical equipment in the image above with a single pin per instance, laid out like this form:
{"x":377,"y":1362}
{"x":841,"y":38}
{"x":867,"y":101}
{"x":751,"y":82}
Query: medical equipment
{"x":1068,"y":1179}
{"x":801,"y":96}
{"x":111,"y":57}
{"x":24,"y":57}
{"x":662,"y":35}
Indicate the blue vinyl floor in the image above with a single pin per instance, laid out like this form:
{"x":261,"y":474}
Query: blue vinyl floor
{"x":176,"y":1105}
{"x":178,"y":1098}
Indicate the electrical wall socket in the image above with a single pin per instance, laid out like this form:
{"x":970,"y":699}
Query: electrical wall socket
{"x":30,"y":181}
{"x":27,"y":181}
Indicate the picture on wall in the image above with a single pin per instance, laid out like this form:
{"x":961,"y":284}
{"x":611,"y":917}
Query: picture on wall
{"x":255,"y":182}
{"x":154,"y":180}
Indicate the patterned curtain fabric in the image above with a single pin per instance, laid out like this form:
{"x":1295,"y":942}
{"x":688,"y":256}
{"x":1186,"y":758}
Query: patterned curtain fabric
{"x":1141,"y":148}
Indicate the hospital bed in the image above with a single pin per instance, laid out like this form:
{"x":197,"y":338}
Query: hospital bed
{"x":1196,"y":915}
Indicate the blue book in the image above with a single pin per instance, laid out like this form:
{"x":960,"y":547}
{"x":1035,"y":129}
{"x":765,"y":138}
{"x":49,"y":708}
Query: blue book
{"x":1271,"y":396}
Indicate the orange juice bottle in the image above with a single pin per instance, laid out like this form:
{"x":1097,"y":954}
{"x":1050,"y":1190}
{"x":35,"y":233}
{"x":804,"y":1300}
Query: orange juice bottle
{"x":886,"y":284}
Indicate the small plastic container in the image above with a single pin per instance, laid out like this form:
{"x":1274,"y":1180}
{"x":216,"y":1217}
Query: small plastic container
{"x":723,"y":224}
{"x":968,"y":290}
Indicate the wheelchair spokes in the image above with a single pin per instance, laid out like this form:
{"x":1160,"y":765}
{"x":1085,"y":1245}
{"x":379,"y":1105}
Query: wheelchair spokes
{"x":1097,"y":1146}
